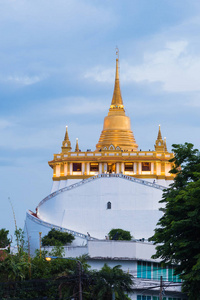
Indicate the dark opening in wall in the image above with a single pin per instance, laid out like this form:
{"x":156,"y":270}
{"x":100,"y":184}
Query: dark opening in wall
{"x":128,"y":166}
{"x":146,"y":166}
{"x":94,"y":167}
{"x":109,"y":205}
{"x":77,"y":167}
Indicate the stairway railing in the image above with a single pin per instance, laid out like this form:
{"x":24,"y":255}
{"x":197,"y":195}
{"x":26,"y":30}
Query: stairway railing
{"x":60,"y":228}
{"x":103,"y":175}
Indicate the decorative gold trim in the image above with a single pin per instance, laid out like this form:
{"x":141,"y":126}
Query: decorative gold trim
{"x":149,"y":176}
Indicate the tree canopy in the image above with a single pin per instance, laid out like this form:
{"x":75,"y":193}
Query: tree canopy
{"x":25,"y":277}
{"x":57,"y":238}
{"x":112,"y":280}
{"x":119,"y":234}
{"x":4,"y":240}
{"x":178,"y":231}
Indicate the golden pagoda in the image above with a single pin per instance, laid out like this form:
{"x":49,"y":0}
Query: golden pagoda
{"x":116,"y":133}
{"x":116,"y":150}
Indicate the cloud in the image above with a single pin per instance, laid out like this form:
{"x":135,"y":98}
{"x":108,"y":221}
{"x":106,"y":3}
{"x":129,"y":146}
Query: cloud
{"x":173,"y":66}
{"x":5,"y":124}
{"x":41,"y":125}
{"x":24,"y":80}
{"x":100,"y":74}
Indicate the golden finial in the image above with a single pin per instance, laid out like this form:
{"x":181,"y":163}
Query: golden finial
{"x":159,"y":134}
{"x":117,"y":52}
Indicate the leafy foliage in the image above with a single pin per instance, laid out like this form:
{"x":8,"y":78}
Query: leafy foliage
{"x":24,"y":277}
{"x":57,"y":238}
{"x":112,"y":280}
{"x":4,"y":240}
{"x":119,"y":234}
{"x":19,"y":235}
{"x":178,"y":229}
{"x":69,"y":286}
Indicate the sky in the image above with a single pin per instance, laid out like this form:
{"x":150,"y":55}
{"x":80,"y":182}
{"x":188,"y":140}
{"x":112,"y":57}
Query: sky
{"x":57,"y":68}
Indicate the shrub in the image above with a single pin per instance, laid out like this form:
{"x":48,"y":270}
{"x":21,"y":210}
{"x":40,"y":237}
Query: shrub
{"x":119,"y":234}
{"x":57,"y":238}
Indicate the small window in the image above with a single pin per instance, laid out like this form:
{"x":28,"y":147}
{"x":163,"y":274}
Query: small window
{"x":94,"y":167}
{"x":109,"y":205}
{"x":128,"y":166}
{"x":146,"y":166}
{"x":76,"y":167}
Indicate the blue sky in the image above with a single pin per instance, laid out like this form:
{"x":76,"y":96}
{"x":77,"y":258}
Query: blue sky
{"x":57,"y":68}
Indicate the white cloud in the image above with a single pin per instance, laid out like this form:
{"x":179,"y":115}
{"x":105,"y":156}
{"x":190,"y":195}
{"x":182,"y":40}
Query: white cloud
{"x":5,"y":124}
{"x":100,"y":74}
{"x":24,"y":80}
{"x":34,"y":130}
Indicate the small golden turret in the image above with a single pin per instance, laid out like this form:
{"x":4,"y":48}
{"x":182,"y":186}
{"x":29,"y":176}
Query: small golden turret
{"x":77,"y":146}
{"x":165,"y":144}
{"x":116,"y":133}
{"x":160,"y":146}
{"x":66,"y":144}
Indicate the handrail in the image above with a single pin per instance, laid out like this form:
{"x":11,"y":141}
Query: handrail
{"x":103,"y":175}
{"x":60,"y":228}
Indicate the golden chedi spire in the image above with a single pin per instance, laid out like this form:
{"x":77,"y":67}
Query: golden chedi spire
{"x":77,"y":146}
{"x":116,"y":133}
{"x":117,"y":98}
{"x":160,"y":146}
{"x":66,"y":144}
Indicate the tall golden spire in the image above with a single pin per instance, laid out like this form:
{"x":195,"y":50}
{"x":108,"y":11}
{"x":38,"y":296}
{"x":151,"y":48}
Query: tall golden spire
{"x":117,"y":98}
{"x":66,"y":144}
{"x":116,"y":133}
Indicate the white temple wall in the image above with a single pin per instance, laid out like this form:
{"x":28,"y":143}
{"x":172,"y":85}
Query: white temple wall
{"x":55,"y":186}
{"x":132,"y":250}
{"x":134,"y":207}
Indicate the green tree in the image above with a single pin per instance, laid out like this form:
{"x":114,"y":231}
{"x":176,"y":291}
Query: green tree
{"x":57,"y":238}
{"x":177,"y":234}
{"x":77,"y":271}
{"x":112,"y":280}
{"x":4,"y":240}
{"x":119,"y":234}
